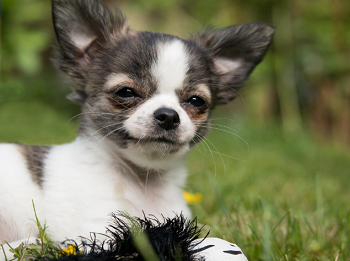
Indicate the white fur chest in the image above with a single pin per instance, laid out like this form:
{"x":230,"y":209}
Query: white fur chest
{"x":83,"y":185}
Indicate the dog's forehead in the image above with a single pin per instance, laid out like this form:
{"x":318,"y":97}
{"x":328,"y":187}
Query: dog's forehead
{"x":161,"y":62}
{"x":171,"y":66}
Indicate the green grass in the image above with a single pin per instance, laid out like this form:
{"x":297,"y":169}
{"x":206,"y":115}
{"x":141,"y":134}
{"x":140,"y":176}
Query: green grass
{"x":44,"y":249}
{"x":283,"y":197}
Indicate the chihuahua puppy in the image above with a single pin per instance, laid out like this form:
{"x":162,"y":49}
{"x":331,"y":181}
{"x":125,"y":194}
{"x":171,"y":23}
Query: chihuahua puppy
{"x":146,"y":99}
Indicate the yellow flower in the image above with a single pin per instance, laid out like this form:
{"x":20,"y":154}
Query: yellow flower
{"x":192,"y":198}
{"x":70,"y":250}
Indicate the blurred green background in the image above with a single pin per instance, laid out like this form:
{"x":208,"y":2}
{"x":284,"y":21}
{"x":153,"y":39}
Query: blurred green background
{"x":277,"y":162}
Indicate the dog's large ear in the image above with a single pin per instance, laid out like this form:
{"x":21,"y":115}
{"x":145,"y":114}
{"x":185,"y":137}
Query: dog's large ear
{"x":82,"y":28}
{"x":235,"y":51}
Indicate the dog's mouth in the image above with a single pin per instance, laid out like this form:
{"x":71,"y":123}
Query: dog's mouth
{"x":160,"y":140}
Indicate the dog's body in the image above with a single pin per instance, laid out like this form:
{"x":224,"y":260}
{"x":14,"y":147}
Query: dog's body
{"x":72,"y":199}
{"x":146,"y":99}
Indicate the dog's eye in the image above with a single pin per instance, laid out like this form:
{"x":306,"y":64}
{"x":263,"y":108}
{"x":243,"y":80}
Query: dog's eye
{"x":196,"y":101}
{"x":125,"y":93}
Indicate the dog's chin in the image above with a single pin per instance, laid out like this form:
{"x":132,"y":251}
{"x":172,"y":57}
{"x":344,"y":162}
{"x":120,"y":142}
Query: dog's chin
{"x":158,"y":146}
{"x":155,"y":153}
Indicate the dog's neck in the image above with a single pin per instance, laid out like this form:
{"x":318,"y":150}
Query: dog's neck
{"x":143,"y":168}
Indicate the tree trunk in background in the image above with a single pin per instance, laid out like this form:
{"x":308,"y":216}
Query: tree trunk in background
{"x":285,"y":67}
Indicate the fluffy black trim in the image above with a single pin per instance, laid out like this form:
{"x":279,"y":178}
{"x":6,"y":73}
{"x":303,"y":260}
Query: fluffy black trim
{"x":171,"y":240}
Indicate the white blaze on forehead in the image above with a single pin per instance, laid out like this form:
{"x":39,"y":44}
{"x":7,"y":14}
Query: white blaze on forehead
{"x":171,"y":66}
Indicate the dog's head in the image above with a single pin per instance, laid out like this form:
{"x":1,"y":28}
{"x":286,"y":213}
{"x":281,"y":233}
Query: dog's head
{"x":151,"y":92}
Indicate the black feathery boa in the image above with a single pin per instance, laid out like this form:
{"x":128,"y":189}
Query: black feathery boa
{"x":171,"y":240}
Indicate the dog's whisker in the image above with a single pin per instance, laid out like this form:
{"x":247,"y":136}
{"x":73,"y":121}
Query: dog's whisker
{"x":209,"y":149}
{"x":220,"y":119}
{"x":232,"y":133}
{"x":216,"y":126}
{"x":106,"y":136}
{"x":212,"y":151}
{"x":103,"y":128}
{"x":84,"y":113}
{"x":199,"y":149}
{"x":230,"y":157}
{"x":216,"y":150}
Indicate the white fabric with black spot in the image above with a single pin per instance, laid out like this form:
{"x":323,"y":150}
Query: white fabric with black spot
{"x":216,"y":249}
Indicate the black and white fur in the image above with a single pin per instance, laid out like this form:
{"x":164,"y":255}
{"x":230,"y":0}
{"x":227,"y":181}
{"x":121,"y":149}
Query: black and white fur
{"x":146,"y":99}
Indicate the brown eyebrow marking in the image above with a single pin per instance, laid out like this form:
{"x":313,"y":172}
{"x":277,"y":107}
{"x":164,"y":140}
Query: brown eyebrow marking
{"x":199,"y":89}
{"x":117,"y":79}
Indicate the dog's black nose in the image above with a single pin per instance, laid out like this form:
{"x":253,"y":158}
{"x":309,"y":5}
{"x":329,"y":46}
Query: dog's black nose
{"x":168,"y":119}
